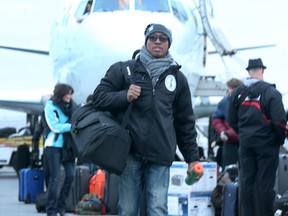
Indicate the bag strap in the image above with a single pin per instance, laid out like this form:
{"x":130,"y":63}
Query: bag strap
{"x":128,"y":70}
{"x":244,"y":91}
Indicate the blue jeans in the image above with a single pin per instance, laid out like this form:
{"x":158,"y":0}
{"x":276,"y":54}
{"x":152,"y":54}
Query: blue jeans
{"x":54,"y":161}
{"x":156,"y":179}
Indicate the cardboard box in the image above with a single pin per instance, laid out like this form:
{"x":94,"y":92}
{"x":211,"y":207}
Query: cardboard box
{"x":200,"y":204}
{"x":209,"y":180}
{"x":178,"y":204}
{"x":178,"y":173}
{"x":190,"y":204}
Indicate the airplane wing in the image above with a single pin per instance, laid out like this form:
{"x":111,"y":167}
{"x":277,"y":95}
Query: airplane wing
{"x":33,"y":108}
{"x":29,"y":106}
{"x":40,"y":52}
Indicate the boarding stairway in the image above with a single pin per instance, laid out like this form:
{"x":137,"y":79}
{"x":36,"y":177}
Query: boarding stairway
{"x":213,"y":32}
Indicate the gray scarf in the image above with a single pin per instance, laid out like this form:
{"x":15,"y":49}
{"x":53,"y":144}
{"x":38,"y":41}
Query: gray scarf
{"x":155,"y":66}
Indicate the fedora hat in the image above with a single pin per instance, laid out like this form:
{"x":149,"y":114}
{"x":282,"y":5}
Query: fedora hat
{"x":255,"y":63}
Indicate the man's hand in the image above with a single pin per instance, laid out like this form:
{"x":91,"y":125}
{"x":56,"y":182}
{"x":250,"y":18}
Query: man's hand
{"x":213,"y":144}
{"x":190,"y":168}
{"x":35,"y":155}
{"x":224,"y":136}
{"x":133,"y":93}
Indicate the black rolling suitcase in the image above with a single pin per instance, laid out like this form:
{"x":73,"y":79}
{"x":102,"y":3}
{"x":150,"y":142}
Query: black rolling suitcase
{"x":281,"y":185}
{"x":79,"y":188}
{"x":281,"y":204}
{"x":111,"y":193}
{"x":40,"y":202}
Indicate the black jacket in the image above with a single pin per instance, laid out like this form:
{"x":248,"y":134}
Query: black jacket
{"x":160,"y":119}
{"x":260,"y":118}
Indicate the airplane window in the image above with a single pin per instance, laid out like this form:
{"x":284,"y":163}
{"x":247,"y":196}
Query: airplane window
{"x":179,"y":11}
{"x":80,"y":10}
{"x":152,"y":5}
{"x":111,"y":5}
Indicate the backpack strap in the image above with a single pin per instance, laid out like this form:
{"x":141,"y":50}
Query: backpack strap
{"x":261,"y":88}
{"x":244,"y":92}
{"x":254,"y":91}
{"x":128,"y":71}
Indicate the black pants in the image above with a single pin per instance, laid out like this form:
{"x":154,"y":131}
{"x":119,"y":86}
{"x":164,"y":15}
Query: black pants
{"x":229,"y":154}
{"x":257,"y":179}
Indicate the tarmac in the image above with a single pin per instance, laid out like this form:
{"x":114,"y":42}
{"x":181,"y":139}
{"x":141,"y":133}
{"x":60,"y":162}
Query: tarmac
{"x":9,"y":190}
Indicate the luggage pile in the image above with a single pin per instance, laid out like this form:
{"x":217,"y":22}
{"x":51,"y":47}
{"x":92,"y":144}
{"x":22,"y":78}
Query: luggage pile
{"x":94,"y":194}
{"x":225,"y":196}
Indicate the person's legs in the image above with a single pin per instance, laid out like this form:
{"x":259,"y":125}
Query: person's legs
{"x":157,"y":183}
{"x":230,"y":154}
{"x":69,"y":167}
{"x":46,"y":169}
{"x":268,"y":159}
{"x":130,"y":187}
{"x":248,"y":172}
{"x":54,"y":162}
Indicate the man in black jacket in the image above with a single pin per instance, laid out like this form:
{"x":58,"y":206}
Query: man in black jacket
{"x":257,"y":113}
{"x":161,"y":118}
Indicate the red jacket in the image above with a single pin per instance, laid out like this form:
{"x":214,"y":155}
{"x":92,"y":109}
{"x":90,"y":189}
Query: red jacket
{"x":221,"y":125}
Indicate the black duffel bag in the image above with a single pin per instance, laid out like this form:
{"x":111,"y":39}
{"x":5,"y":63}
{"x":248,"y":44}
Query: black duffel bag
{"x":101,"y":139}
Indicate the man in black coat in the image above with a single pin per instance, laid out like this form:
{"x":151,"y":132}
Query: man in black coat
{"x":256,"y":112}
{"x":161,"y":118}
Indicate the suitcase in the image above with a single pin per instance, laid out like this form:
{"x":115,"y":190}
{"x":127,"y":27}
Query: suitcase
{"x":111,"y":193}
{"x":230,"y":200}
{"x":31,"y":183}
{"x":79,"y":188}
{"x":97,"y":183}
{"x":40,"y":202}
{"x":281,"y":185}
{"x":281,"y":204}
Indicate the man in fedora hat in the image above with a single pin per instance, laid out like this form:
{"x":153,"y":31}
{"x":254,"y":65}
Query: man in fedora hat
{"x":256,"y":112}
{"x":255,"y":63}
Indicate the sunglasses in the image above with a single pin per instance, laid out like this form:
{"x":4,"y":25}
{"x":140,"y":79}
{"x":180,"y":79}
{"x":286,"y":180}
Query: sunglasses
{"x":154,"y":38}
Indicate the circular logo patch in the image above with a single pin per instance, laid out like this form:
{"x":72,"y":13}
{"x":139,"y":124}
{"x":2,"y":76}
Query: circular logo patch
{"x":170,"y":83}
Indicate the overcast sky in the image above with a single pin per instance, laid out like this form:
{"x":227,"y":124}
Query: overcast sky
{"x":253,"y":23}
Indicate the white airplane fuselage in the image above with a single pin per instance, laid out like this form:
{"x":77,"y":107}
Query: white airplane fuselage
{"x":83,"y":52}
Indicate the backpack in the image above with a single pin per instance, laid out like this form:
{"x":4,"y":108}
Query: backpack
{"x":91,"y":204}
{"x":254,"y":96}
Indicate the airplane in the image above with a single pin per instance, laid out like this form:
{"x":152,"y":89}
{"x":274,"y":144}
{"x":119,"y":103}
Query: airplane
{"x":82,"y":52}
